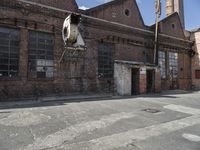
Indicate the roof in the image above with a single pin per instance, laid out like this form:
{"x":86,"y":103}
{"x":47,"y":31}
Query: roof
{"x":105,"y":4}
{"x":114,"y":2}
{"x":195,"y":30}
{"x":166,"y":18}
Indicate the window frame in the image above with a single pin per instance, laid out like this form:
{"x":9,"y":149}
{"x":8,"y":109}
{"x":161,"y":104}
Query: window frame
{"x":12,"y":54}
{"x":163,"y":67}
{"x":173,"y":25}
{"x":40,"y":57}
{"x":197,"y":74}
{"x":105,"y":60}
{"x":127,"y":12}
{"x":173,"y":65}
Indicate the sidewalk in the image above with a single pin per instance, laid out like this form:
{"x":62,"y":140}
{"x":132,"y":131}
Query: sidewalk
{"x":88,"y":97}
{"x":74,"y":97}
{"x":40,"y":100}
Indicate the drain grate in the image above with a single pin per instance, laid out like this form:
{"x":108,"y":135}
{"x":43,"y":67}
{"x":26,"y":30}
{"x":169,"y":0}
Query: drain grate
{"x":151,"y":110}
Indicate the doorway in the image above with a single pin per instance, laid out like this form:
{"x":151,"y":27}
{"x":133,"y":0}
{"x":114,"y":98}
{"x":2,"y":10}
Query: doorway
{"x":135,"y":81}
{"x":150,"y":80}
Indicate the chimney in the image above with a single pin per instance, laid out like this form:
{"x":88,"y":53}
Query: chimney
{"x":169,"y":7}
{"x":179,"y":7}
{"x":176,"y":6}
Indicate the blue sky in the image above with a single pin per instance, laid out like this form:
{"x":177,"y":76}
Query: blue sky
{"x":192,"y":10}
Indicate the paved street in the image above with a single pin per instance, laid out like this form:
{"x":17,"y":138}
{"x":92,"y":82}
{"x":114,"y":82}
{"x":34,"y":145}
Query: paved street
{"x":151,"y":122}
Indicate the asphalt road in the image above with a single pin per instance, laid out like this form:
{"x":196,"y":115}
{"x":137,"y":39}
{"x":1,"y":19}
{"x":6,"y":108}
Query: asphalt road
{"x":151,"y":122}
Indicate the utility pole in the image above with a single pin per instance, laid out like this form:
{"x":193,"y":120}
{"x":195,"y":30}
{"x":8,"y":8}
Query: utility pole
{"x":158,"y":13}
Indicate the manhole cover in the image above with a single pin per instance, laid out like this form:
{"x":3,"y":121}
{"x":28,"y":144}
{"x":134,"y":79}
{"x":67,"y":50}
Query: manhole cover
{"x":151,"y":110}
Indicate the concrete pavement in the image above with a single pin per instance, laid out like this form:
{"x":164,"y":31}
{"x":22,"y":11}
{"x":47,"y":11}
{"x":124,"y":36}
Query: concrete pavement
{"x":150,"y":122}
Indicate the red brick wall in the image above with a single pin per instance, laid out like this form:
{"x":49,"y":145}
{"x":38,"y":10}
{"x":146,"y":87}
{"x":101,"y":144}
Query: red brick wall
{"x":157,"y":80}
{"x":196,"y":59}
{"x":82,"y":75}
{"x":143,"y":80}
{"x":143,"y":84}
{"x":25,"y":19}
{"x":116,"y":13}
{"x":184,"y":73}
{"x":63,"y":4}
{"x":172,"y":26}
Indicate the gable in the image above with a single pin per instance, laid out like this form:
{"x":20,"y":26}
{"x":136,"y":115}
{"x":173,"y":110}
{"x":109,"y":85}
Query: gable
{"x":63,"y":4}
{"x":121,"y":11}
{"x":172,"y":26}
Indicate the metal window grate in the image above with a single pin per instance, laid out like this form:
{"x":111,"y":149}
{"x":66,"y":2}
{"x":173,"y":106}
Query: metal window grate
{"x":40,"y":54}
{"x":162,"y":64}
{"x":173,"y":64}
{"x":9,"y":52}
{"x":105,"y":60}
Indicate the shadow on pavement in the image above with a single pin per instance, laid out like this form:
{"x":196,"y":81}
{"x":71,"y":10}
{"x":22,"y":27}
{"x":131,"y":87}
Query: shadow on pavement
{"x":66,"y":100}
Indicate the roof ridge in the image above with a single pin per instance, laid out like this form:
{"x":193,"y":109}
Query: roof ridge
{"x":104,"y":4}
{"x":165,"y":18}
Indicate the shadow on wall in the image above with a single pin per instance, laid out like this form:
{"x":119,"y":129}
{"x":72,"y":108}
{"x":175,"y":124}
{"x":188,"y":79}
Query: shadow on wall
{"x":4,"y":92}
{"x":33,"y":91}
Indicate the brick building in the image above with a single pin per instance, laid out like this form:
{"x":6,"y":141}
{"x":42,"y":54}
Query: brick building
{"x":195,"y":36}
{"x":118,"y":58}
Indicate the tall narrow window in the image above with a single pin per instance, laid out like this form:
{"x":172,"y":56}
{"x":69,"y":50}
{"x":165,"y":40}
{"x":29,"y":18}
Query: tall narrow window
{"x":162,"y":64}
{"x":173,"y":64}
{"x":9,"y":52}
{"x":105,"y":60}
{"x":197,"y":74}
{"x":40,"y":55}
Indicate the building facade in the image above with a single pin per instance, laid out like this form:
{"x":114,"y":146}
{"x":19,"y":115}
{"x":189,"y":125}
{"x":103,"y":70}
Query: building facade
{"x":195,"y":36}
{"x":118,"y":58}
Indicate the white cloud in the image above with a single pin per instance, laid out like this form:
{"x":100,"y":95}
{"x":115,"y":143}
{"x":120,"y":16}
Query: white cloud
{"x":83,"y":7}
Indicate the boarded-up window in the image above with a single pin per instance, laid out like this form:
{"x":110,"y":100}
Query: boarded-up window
{"x":105,"y":60}
{"x":9,"y":52}
{"x":197,"y":74}
{"x":40,"y":55}
{"x":173,"y":64}
{"x":162,"y":64}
